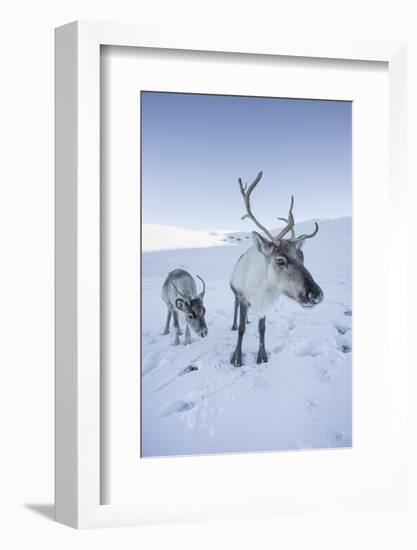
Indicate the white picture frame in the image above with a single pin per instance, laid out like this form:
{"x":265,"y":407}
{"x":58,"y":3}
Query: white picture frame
{"x":78,"y":412}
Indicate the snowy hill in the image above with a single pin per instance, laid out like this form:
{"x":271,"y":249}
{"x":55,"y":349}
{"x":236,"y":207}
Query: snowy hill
{"x":164,"y":237}
{"x":194,"y":401}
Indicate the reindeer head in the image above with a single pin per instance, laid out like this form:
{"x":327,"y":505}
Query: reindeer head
{"x":194,"y":310}
{"x":284,"y":256}
{"x":286,"y":270}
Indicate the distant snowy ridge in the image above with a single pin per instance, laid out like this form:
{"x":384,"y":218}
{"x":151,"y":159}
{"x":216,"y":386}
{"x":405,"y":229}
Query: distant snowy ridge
{"x":165,"y":237}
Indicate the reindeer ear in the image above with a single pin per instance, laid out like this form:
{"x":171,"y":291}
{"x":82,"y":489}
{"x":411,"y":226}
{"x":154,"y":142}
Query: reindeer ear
{"x":264,"y":246}
{"x":180,"y":304}
{"x":299,"y":244}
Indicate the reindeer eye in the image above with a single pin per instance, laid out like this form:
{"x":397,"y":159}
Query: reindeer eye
{"x":191,"y":316}
{"x":280,"y":261}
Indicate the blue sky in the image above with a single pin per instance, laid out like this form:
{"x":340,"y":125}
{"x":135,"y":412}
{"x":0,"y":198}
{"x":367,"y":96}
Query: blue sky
{"x":194,"y":148}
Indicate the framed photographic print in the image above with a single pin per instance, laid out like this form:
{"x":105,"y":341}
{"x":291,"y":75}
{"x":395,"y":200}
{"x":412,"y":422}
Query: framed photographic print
{"x":219,"y":322}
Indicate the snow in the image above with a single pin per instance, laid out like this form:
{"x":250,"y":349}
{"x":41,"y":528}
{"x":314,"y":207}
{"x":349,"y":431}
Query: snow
{"x":165,"y":237}
{"x":194,"y":401}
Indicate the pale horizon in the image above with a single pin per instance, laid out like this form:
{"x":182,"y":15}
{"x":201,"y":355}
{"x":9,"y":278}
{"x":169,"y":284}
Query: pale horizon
{"x":241,"y":229}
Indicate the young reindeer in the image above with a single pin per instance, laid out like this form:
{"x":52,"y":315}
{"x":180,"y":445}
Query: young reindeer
{"x":179,"y":292}
{"x":274,"y":266}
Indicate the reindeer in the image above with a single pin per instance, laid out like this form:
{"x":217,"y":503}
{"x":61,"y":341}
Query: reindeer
{"x":179,"y":292}
{"x":274,"y":266}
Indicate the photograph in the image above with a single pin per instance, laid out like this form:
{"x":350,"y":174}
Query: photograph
{"x":246,"y":274}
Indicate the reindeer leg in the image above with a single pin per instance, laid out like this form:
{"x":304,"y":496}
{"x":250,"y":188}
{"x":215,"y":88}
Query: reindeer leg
{"x":177,"y":326}
{"x":187,"y":338}
{"x":262,"y":355}
{"x":237,"y":359}
{"x":177,"y":329}
{"x":166,"y":330}
{"x":234,"y":326}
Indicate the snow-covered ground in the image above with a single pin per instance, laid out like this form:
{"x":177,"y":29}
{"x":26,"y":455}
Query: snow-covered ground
{"x":195,"y":401}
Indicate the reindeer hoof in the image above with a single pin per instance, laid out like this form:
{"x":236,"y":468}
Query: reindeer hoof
{"x":234,"y":327}
{"x":165,"y":332}
{"x":262,"y":357}
{"x":237,"y":359}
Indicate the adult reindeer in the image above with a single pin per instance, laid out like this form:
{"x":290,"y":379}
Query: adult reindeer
{"x":274,"y":266}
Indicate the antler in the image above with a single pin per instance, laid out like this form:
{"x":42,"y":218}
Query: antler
{"x":290,"y":223}
{"x":178,"y":291}
{"x":293,"y":237}
{"x":304,"y":235}
{"x":246,"y":193}
{"x":308,"y":236}
{"x":201,"y":295}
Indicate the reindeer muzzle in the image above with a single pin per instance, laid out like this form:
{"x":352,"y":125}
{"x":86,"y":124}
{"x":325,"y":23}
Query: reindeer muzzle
{"x":314,"y":296}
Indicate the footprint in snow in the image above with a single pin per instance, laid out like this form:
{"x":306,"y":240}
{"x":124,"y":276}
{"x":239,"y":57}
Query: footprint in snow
{"x":348,"y":313}
{"x":151,"y":362}
{"x":342,"y":329}
{"x":179,"y":406}
{"x":278,"y":348}
{"x":324,"y":375}
{"x":190,"y":368}
{"x":187,"y":370}
{"x":302,"y":347}
{"x":313,"y":407}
